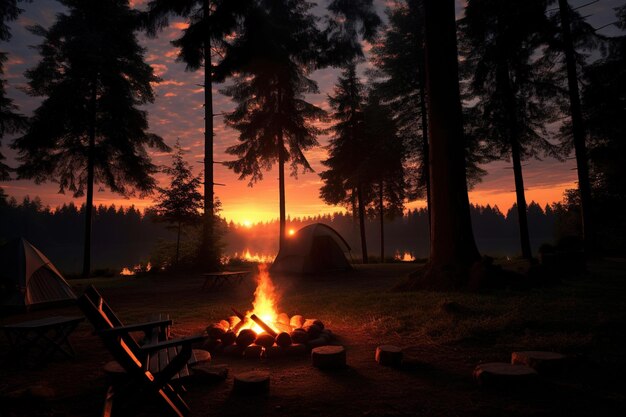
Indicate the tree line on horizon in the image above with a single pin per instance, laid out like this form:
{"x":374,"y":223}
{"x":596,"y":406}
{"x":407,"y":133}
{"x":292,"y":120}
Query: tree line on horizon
{"x":126,"y":236}
{"x":419,"y":126}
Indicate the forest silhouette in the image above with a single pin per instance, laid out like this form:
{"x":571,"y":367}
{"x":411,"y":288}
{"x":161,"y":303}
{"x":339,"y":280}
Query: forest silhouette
{"x":440,"y":97}
{"x":125,"y":237}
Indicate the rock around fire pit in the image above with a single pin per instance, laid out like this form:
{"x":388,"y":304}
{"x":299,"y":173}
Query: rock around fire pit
{"x":252,"y":337}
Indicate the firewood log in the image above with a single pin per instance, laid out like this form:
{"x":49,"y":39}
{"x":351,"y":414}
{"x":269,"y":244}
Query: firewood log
{"x":296,"y":321}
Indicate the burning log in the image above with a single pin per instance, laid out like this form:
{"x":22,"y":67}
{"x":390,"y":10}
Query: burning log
{"x":242,"y":317}
{"x":264,"y":326}
{"x":228,"y":338}
{"x":216,"y":331}
{"x":265,"y":340}
{"x":241,"y":324}
{"x":246,"y":337}
{"x":283,"y":319}
{"x":232,"y":321}
{"x":297,"y":321}
{"x":283,"y":340}
{"x":299,"y":336}
{"x":283,"y":328}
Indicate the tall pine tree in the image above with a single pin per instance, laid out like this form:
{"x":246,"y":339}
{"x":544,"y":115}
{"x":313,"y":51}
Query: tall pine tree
{"x":347,"y":179}
{"x":272,"y":57}
{"x":385,"y":159}
{"x":89,"y":129}
{"x":512,"y":90}
{"x":209,"y":22}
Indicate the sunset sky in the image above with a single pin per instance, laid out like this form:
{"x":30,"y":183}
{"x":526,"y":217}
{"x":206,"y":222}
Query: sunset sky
{"x":178,"y":113}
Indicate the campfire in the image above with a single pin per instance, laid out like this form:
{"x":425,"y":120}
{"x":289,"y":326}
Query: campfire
{"x":264,"y":332}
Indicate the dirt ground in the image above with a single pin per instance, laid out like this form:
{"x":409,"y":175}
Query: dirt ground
{"x":360,"y":308}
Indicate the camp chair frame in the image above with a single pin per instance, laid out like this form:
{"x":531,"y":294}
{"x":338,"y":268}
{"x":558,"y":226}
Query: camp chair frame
{"x":134,"y":359}
{"x":154,"y":330}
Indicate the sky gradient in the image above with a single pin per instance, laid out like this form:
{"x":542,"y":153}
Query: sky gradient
{"x":178,"y":113}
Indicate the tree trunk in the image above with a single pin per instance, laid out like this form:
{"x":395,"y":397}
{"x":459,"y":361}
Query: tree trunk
{"x":178,"y":244}
{"x":425,"y":151}
{"x":208,"y":249}
{"x":578,"y":130}
{"x":359,"y":196}
{"x":453,"y":250}
{"x":281,"y":189}
{"x":381,"y":201}
{"x":521,"y":199}
{"x":90,"y":180}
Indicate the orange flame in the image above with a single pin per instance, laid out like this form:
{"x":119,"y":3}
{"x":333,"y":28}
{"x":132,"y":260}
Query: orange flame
{"x":265,"y":300}
{"x":404,"y":257}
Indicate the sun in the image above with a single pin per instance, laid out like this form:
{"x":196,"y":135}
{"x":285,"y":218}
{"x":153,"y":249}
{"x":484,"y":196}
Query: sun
{"x":247,"y":223}
{"x":291,"y":232}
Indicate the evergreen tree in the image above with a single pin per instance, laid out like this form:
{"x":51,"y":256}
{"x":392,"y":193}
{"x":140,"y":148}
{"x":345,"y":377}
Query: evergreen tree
{"x":386,"y":155}
{"x":10,"y":120}
{"x":88,"y":129}
{"x":576,"y":34}
{"x":604,"y":112}
{"x":209,"y":22}
{"x":272,"y":57}
{"x":514,"y":96}
{"x":399,"y":74}
{"x":181,"y":202}
{"x":347,"y":180}
{"x":346,"y":22}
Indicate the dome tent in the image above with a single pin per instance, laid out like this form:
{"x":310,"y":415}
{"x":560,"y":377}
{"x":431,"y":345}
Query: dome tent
{"x":28,"y":279}
{"x":314,"y":248}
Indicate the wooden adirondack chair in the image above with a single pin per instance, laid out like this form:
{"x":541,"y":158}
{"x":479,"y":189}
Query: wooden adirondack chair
{"x":154,"y":330}
{"x":135,"y":359}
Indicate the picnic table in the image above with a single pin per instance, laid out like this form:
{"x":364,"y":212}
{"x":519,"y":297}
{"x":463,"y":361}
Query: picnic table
{"x":215,"y":280}
{"x":42,"y":338}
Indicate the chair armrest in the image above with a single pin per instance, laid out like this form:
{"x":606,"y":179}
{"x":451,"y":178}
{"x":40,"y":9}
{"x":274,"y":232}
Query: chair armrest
{"x":171,"y":343}
{"x":137,"y":327}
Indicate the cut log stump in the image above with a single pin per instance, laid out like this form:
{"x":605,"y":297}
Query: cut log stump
{"x":205,"y":373}
{"x":504,"y":375}
{"x":329,"y":357}
{"x":200,"y":356}
{"x":542,"y":362}
{"x":252,"y":383}
{"x":389,"y":355}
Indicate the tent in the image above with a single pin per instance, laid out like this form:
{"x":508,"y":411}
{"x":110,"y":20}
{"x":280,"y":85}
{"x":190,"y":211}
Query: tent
{"x":28,"y":279}
{"x":314,"y":248}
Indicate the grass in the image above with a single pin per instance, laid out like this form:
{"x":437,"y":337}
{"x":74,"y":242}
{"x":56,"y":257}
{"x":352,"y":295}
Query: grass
{"x":452,"y":332}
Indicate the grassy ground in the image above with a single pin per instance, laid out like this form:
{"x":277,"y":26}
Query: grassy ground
{"x":445,"y":336}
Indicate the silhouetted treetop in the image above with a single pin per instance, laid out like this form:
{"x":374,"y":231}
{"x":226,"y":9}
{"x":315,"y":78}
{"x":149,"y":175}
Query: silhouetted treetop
{"x":92,"y":76}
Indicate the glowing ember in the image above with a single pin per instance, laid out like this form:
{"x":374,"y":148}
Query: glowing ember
{"x":265,"y":301}
{"x":404,"y":257}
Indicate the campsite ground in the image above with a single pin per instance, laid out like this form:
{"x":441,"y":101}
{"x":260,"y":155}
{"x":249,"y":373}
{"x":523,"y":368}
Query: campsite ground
{"x":446,"y":335}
